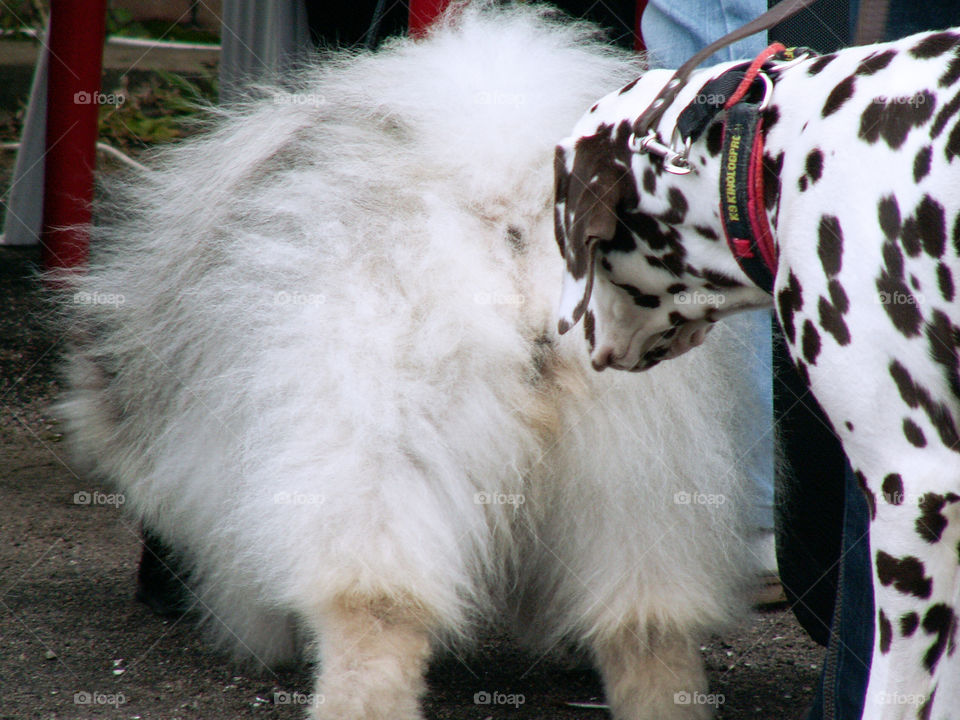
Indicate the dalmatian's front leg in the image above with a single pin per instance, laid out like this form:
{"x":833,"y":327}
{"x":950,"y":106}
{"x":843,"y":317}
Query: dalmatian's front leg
{"x":894,"y":411}
{"x":914,"y":537}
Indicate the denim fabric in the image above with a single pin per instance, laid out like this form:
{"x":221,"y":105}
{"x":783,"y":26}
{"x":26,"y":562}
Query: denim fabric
{"x":672,"y":32}
{"x":846,"y":669}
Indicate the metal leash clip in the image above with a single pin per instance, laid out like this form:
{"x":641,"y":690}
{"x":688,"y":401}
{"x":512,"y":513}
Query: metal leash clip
{"x":674,"y":161}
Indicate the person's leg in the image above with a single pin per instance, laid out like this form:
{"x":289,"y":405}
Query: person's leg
{"x":673,"y":31}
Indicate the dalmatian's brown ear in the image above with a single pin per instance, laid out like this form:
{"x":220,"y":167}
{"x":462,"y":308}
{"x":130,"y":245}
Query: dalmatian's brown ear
{"x":585,"y":212}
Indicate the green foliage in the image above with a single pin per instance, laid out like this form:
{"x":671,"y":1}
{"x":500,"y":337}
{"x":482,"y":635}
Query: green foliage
{"x":160,"y":107}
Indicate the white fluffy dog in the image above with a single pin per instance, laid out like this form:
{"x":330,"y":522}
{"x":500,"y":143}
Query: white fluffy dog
{"x":317,"y":352}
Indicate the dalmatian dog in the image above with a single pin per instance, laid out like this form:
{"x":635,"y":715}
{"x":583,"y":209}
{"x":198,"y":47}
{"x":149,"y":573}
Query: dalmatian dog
{"x":852,"y":192}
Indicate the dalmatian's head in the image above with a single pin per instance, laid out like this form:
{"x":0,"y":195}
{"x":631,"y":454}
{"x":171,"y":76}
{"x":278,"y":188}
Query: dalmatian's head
{"x":647,"y":267}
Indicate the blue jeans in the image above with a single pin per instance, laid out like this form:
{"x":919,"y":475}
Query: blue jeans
{"x":672,"y":32}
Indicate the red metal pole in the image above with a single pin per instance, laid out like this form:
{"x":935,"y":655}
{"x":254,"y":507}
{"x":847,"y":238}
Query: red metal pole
{"x":423,"y":13}
{"x":75,"y":40}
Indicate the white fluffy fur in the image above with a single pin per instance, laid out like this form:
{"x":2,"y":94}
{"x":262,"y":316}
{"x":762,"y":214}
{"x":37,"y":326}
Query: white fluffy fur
{"x":321,"y":298}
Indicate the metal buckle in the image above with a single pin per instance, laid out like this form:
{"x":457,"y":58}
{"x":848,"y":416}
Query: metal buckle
{"x":767,"y":90}
{"x":674,"y":161}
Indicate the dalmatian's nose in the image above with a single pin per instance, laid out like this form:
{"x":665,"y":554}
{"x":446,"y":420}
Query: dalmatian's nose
{"x":602,"y":358}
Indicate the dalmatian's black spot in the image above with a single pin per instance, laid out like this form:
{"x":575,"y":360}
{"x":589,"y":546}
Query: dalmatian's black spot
{"x":605,"y":264}
{"x":900,"y":304}
{"x":789,"y":301}
{"x":917,"y":396}
{"x":667,"y":334}
{"x":886,"y":631}
{"x":889,"y":213}
{"x":940,"y":621}
{"x":925,"y":709}
{"x":770,"y":117}
{"x":892,"y":488}
{"x":956,"y":234}
{"x":675,"y":318}
{"x":820,"y":63}
{"x":838,"y":296}
{"x":838,"y":96}
{"x":653,"y":232}
{"x":952,"y":148}
{"x":905,"y":384}
{"x":771,"y":179}
{"x":715,"y":139}
{"x":910,"y":236}
{"x":832,"y":321}
{"x":932,"y":225}
{"x":943,"y":116}
{"x":589,"y":329}
{"x":678,"y":208}
{"x":649,"y":181}
{"x":906,"y":574}
{"x":952,"y":73}
{"x":931,"y":523}
{"x":802,"y":183}
{"x":719,"y":280}
{"x":830,"y":246}
{"x":676,"y":288}
{"x":914,"y":433}
{"x":943,"y":338}
{"x":594,"y":107}
{"x":909,"y":623}
{"x":874,"y":62}
{"x":628,"y":87}
{"x":639,"y":298}
{"x":814,"y":165}
{"x":945,"y":282}
{"x":893,"y":119}
{"x":914,"y":282}
{"x":673,"y":263}
{"x":849,"y":425}
{"x":707,"y":232}
{"x":934,"y":45}
{"x":868,"y":494}
{"x":921,"y":164}
{"x":810,"y":342}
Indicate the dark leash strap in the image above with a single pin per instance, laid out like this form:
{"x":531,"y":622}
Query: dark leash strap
{"x":871,"y":21}
{"x":778,"y":13}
